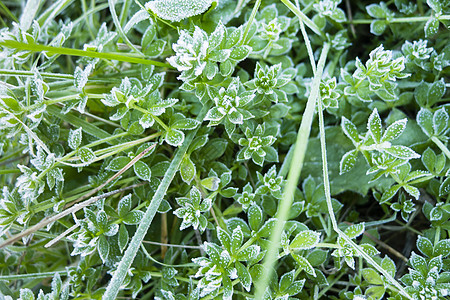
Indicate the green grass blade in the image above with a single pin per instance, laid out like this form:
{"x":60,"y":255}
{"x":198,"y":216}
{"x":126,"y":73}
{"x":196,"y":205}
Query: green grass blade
{"x":293,"y":176}
{"x":129,"y":255}
{"x":83,"y":53}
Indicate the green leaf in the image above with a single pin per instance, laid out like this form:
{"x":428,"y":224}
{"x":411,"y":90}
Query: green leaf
{"x":371,"y":276}
{"x":317,"y":257}
{"x":348,"y":161}
{"x":86,"y":155}
{"x":394,"y":130}
{"x":402,"y":152}
{"x":350,"y":130}
{"x":304,"y":264}
{"x":174,"y":137}
{"x":133,"y":217}
{"x":425,"y":246}
{"x":240,"y":53}
{"x":388,"y":265}
{"x":103,"y":248}
{"x":440,"y":121}
{"x":374,"y":126}
{"x":306,"y":239}
{"x":123,"y":237}
{"x":377,"y":27}
{"x":177,"y":10}
{"x":142,"y":170}
{"x":244,"y":276}
{"x":185,"y":124}
{"x":442,"y":248}
{"x":444,"y":188}
{"x":74,"y":140}
{"x":354,"y":230}
{"x":425,"y":121}
{"x":375,"y":292}
{"x":187,"y":169}
{"x":118,"y":163}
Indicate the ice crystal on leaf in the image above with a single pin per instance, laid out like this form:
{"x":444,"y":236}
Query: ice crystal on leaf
{"x":177,"y":10}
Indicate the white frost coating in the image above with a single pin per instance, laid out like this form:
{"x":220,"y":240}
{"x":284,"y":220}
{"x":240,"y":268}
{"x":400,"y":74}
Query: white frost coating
{"x":177,"y":10}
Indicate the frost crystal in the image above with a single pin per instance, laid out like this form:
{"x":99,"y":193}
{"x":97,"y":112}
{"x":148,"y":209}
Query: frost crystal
{"x":177,"y":10}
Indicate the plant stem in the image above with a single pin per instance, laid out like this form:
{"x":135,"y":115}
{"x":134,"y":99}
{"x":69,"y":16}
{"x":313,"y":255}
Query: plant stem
{"x":326,"y":183}
{"x":441,"y":146}
{"x":32,"y":275}
{"x":129,"y":255}
{"x":302,"y":16}
{"x":400,"y":20}
{"x":293,"y":176}
{"x":83,"y":53}
{"x":250,"y":20}
{"x":31,"y":73}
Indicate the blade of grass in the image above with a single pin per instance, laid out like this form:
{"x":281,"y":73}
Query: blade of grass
{"x":32,"y":275}
{"x":83,"y":53}
{"x":308,"y":22}
{"x":29,"y":12}
{"x":293,"y":176}
{"x":119,"y":275}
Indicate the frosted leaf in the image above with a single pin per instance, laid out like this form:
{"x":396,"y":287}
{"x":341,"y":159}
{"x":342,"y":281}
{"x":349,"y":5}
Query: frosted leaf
{"x":350,"y":130}
{"x":306,"y":239}
{"x":395,"y":130}
{"x":74,"y":140}
{"x":177,"y":10}
{"x":355,"y":230}
{"x":440,"y":121}
{"x":135,"y":19}
{"x":402,"y":152}
{"x":348,"y":161}
{"x":374,"y":126}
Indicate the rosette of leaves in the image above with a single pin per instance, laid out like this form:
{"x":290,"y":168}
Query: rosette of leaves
{"x":272,"y":83}
{"x":225,"y":264}
{"x":247,"y":198}
{"x":417,"y":53}
{"x":346,"y":252}
{"x":375,"y":140}
{"x":271,"y":35}
{"x":270,"y":183}
{"x":93,"y":234}
{"x":427,"y":278}
{"x":197,"y":54}
{"x":328,"y":93}
{"x":257,"y":144}
{"x":328,"y":9}
{"x":231,"y":106}
{"x":192,"y":209}
{"x":377,"y":76}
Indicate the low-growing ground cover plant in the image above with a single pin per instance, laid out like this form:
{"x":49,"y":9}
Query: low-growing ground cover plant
{"x":232,"y":149}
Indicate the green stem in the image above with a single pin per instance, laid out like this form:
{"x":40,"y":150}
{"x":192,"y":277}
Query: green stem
{"x":308,"y":22}
{"x":9,"y":171}
{"x":401,"y":20}
{"x":31,"y":73}
{"x":83,"y":53}
{"x":441,"y":146}
{"x":326,"y":183}
{"x":129,"y":255}
{"x":112,"y":8}
{"x":250,"y":20}
{"x":293,"y":176}
{"x":32,"y":275}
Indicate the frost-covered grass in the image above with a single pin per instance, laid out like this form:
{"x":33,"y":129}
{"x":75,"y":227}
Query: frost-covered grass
{"x":251,"y":149}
